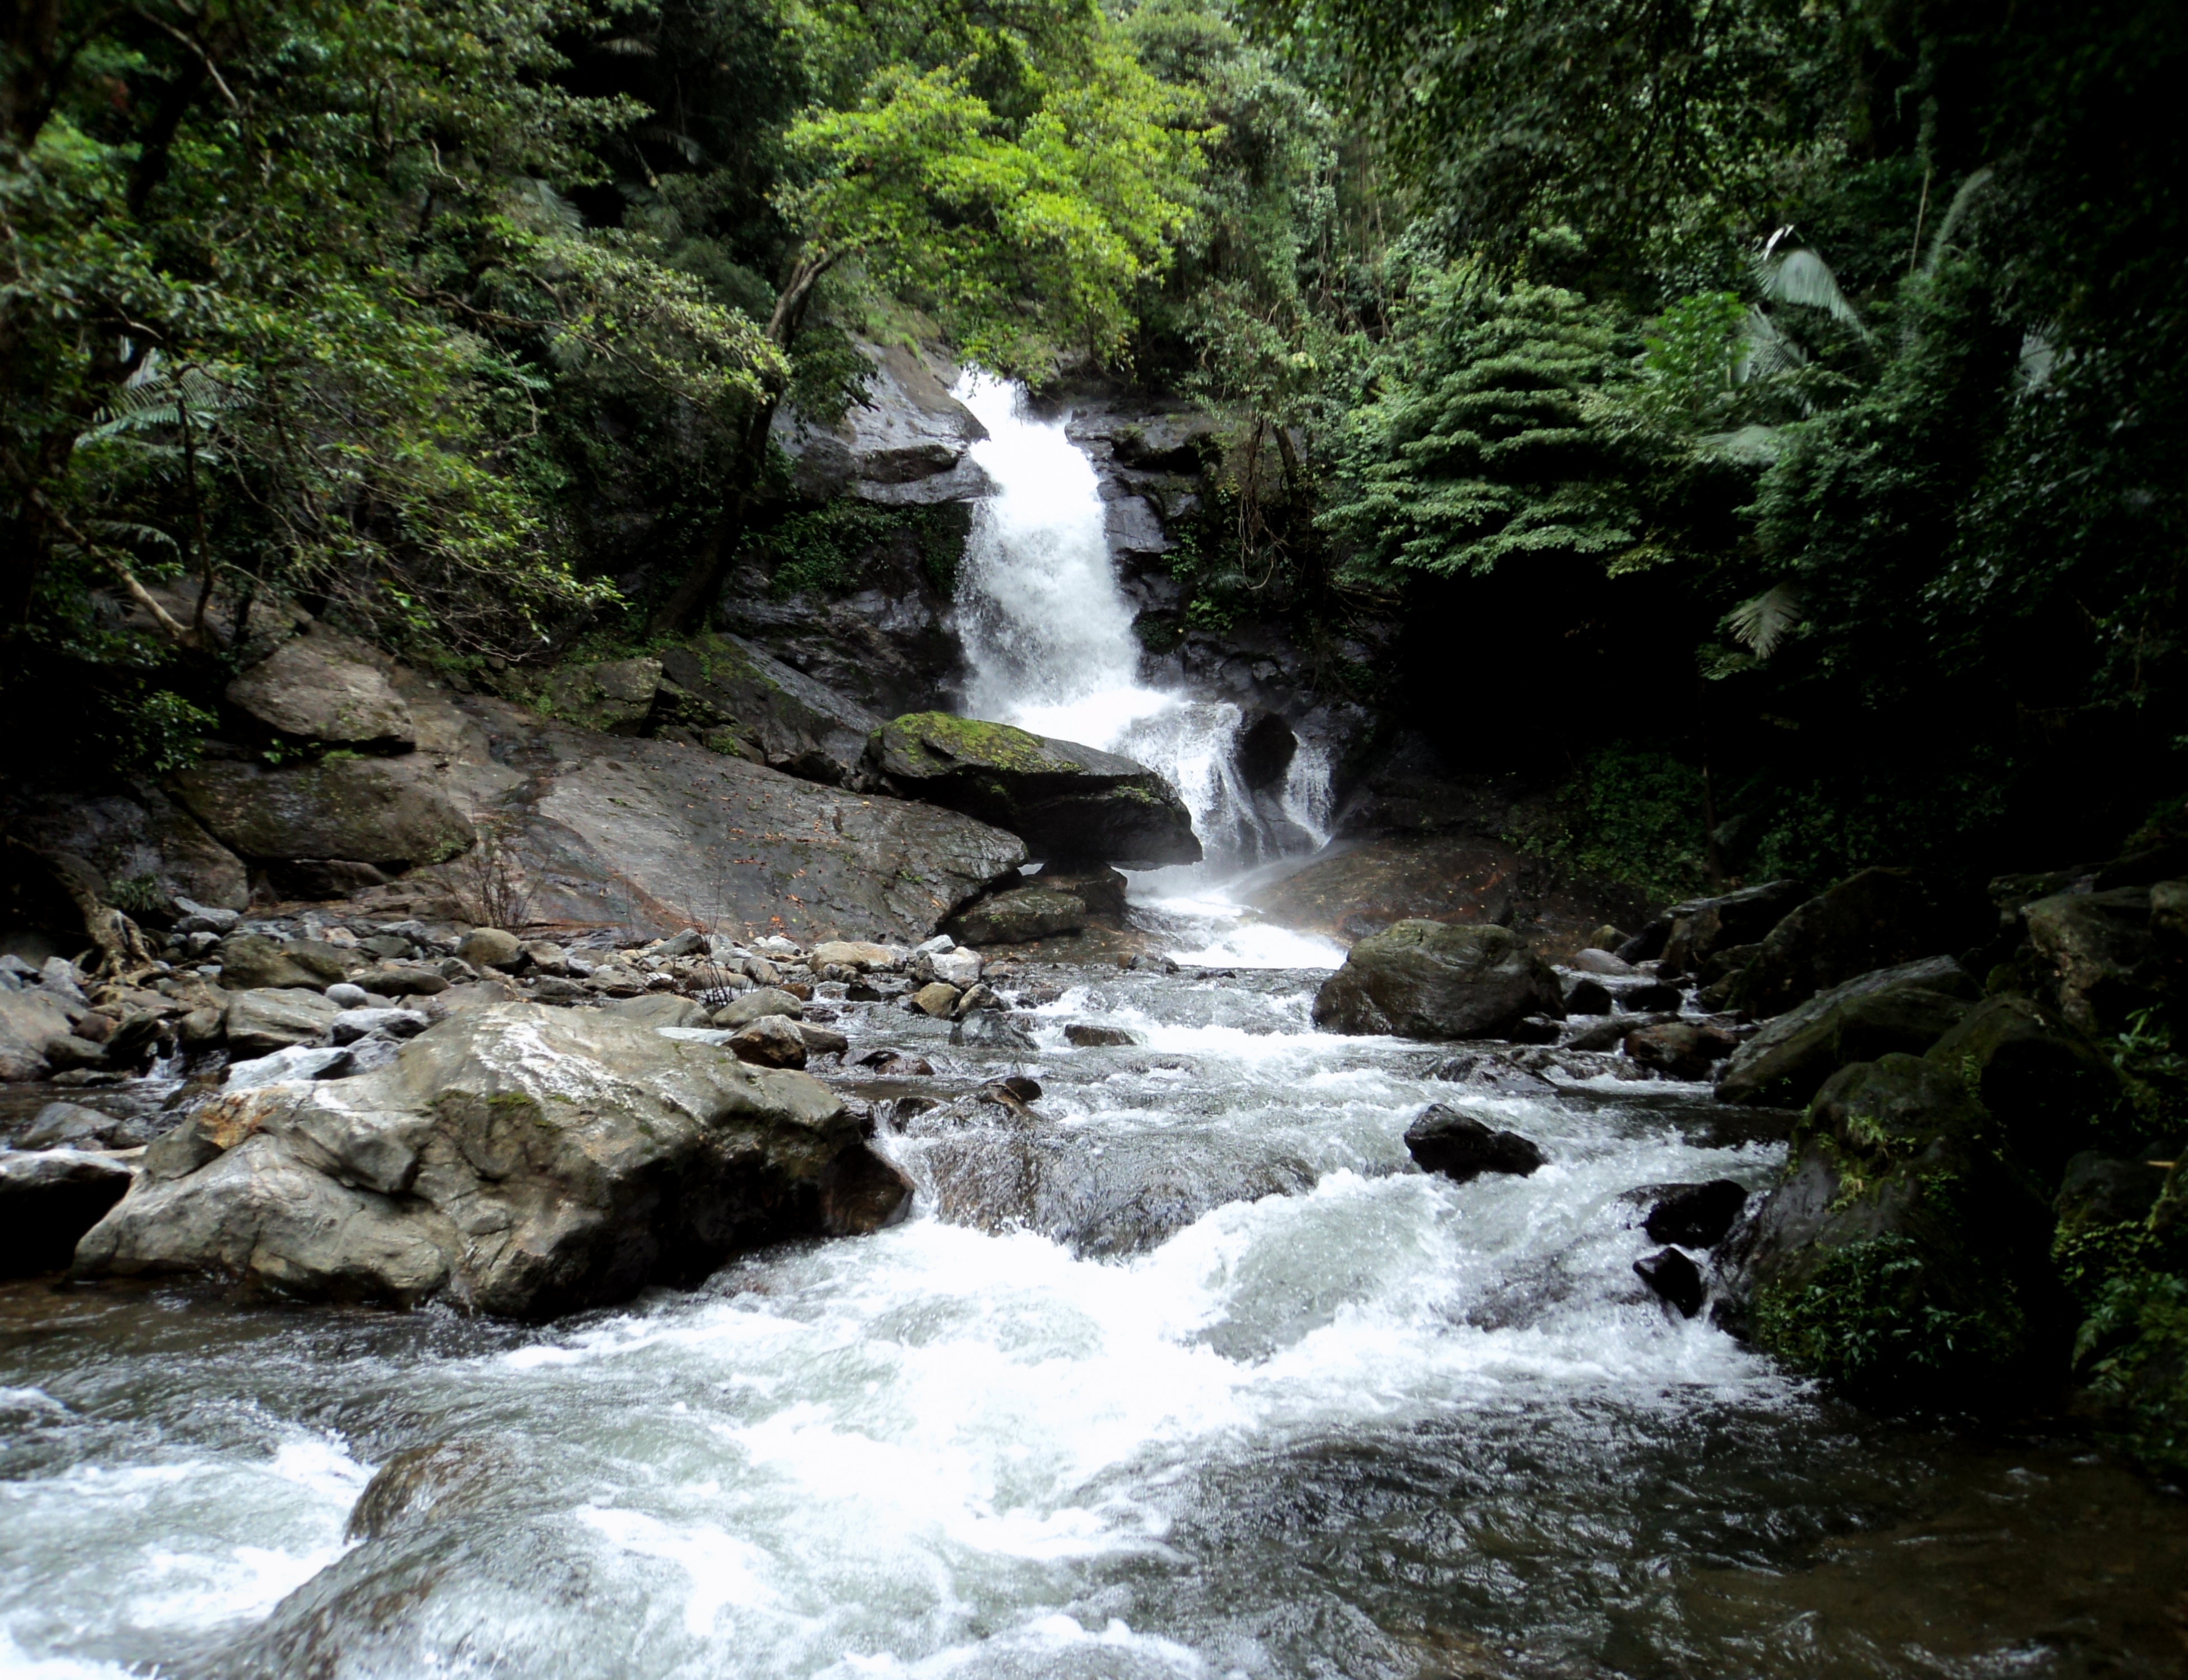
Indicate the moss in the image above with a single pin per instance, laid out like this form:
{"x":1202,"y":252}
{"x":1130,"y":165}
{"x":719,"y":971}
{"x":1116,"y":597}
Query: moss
{"x":973,"y":740}
{"x":1878,"y":1313}
{"x":2133,"y":1349}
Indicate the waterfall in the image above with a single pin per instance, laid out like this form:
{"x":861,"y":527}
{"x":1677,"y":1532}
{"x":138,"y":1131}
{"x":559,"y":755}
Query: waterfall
{"x":1048,"y":641}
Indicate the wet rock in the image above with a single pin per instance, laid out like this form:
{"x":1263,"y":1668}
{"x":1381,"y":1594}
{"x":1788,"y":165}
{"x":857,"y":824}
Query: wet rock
{"x":938,"y":998}
{"x":1099,"y":888}
{"x":1909,"y":1007}
{"x":2103,"y":948}
{"x":863,"y":1191}
{"x":48,"y":1198}
{"x":1696,"y":1215}
{"x":761,"y":1001}
{"x":70,"y":1125}
{"x":1087,"y":1036}
{"x":1063,"y":798}
{"x":1019,"y":917}
{"x":67,"y":1052}
{"x":1432,"y":980}
{"x":320,"y":687}
{"x":1675,"y":1278}
{"x":298,"y":1062}
{"x":1705,"y":925}
{"x":614,"y":696}
{"x":771,"y":1041}
{"x":905,"y":443}
{"x":523,"y":1161}
{"x":1611,"y":1034}
{"x":384,"y":811}
{"x":30,"y":1020}
{"x":1459,"y":1146}
{"x":897,"y":1064}
{"x":995,"y":1028}
{"x":658,"y":1009}
{"x":490,"y":947}
{"x":952,"y":968}
{"x":1680,"y":1050}
{"x":1104,"y":1198}
{"x":414,"y":1485}
{"x":252,"y":961}
{"x":1584,"y":997}
{"x":979,"y":995}
{"x":1880,"y":918}
{"x":259,"y":1022}
{"x":1491,"y":1073}
{"x":820,"y":1040}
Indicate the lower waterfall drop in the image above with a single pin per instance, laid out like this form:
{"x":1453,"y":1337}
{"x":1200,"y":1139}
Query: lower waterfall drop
{"x":1048,"y":638}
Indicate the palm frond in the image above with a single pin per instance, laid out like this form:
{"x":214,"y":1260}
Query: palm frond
{"x":1762,"y":623}
{"x":1802,"y":277}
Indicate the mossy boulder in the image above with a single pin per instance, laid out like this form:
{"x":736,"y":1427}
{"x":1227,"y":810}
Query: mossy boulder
{"x":1909,"y":1008}
{"x":1062,"y":798}
{"x":1877,"y":919}
{"x":1904,"y":1254}
{"x":2104,"y":951}
{"x":723,"y":693}
{"x":1439,"y":980}
{"x":322,"y":687}
{"x":1019,"y":917}
{"x":2052,"y":1092}
{"x":388,"y":812}
{"x":615,"y":696}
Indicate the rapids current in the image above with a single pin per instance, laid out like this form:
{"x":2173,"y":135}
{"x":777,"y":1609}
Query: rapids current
{"x":1186,"y":1374}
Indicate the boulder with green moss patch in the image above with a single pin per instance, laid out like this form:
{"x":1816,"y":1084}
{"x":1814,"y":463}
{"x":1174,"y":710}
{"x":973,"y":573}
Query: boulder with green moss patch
{"x":1907,"y":1008}
{"x":380,"y":811}
{"x":723,"y":693}
{"x":1064,"y":799}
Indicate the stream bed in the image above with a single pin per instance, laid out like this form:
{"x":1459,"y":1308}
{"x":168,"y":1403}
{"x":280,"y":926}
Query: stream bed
{"x":1183,"y":1371}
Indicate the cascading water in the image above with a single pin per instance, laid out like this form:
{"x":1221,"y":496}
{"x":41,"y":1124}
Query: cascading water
{"x":1048,"y":638}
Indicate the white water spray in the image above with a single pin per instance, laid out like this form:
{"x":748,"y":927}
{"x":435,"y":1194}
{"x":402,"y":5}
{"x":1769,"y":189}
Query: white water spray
{"x":1048,"y":637}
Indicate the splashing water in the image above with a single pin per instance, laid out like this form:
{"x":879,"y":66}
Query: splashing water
{"x":1048,"y":636}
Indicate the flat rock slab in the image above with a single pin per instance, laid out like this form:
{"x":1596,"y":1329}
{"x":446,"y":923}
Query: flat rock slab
{"x":657,"y":834}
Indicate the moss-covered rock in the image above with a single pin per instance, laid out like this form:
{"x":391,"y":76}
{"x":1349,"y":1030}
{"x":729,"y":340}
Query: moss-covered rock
{"x":1064,"y":799}
{"x":2051,"y":1091}
{"x":723,"y":693}
{"x":1907,"y":1008}
{"x":2103,"y":954}
{"x":615,"y":696}
{"x":380,"y":811}
{"x":1877,"y":919}
{"x":1019,"y":917}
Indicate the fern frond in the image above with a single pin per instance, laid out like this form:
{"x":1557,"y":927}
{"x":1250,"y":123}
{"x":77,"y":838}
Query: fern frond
{"x":1762,"y":623}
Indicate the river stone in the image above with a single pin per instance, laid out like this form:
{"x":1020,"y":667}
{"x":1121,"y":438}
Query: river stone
{"x":1679,"y":1050}
{"x":389,"y":811}
{"x":725,"y":694}
{"x":1063,"y":798}
{"x":1909,"y":1007}
{"x":400,"y":980}
{"x":490,"y":947}
{"x":1696,"y":1215}
{"x":48,"y":1198}
{"x":249,"y":961}
{"x":520,"y":1160}
{"x":658,"y":1009}
{"x":298,"y":1062}
{"x":1020,"y":917}
{"x":2104,"y":952}
{"x":30,"y":1020}
{"x":1674,"y":1279}
{"x":1459,"y":1146}
{"x":347,"y":995}
{"x":761,"y":1001}
{"x":771,"y":1041}
{"x":354,"y":1024}
{"x":70,"y":1125}
{"x":1088,"y":1036}
{"x":1593,"y":961}
{"x":998,"y":1029}
{"x":1706,"y":925}
{"x":938,"y":998}
{"x":954,"y":968}
{"x":858,"y":953}
{"x":1434,"y":980}
{"x":261,"y":1021}
{"x":820,"y":1040}
{"x":1879,"y":918}
{"x":313,"y":688}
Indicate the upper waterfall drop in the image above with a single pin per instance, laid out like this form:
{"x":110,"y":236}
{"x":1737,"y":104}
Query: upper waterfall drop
{"x":1049,"y":644}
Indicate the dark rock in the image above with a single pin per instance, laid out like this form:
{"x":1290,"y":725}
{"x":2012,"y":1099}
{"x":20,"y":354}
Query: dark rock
{"x":1019,"y":917}
{"x":1090,"y":1037}
{"x":352,"y":1024}
{"x":1729,"y":919}
{"x":2099,"y":1190}
{"x":1432,"y":980}
{"x":820,"y":1040}
{"x":410,"y":1487}
{"x":863,"y":1191}
{"x":523,"y":1161}
{"x":1094,"y":885}
{"x":1877,"y":919}
{"x":1459,"y":1146}
{"x":384,"y":811}
{"x":1680,"y":1050}
{"x":2104,"y":951}
{"x":1675,"y":1278}
{"x":67,"y":1052}
{"x":2168,"y":910}
{"x":1653,"y":994}
{"x":731,"y":696}
{"x":1018,"y":1087}
{"x":998,"y":1029}
{"x":48,"y":1198}
{"x":1906,"y":1008}
{"x":325,"y":878}
{"x":1586,"y":996}
{"x":2053,"y":1093}
{"x":1696,"y":1215}
{"x":1264,"y":751}
{"x":1064,"y":799}
{"x":897,"y":1064}
{"x":141,"y":838}
{"x":1491,"y":1073}
{"x":70,"y":1126}
{"x":905,"y":442}
{"x":321,"y":687}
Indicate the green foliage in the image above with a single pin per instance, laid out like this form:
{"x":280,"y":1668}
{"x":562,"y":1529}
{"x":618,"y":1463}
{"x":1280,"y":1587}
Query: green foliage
{"x":1630,"y":813}
{"x":825,"y":551}
{"x":1873,"y":1316}
{"x":2133,"y":1349}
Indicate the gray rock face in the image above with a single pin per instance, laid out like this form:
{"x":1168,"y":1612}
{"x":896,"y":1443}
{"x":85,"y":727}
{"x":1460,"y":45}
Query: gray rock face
{"x":260,"y":1022}
{"x":30,"y":1020}
{"x":726,"y":695}
{"x":615,"y":696}
{"x":1065,"y":800}
{"x":315,"y":687}
{"x":388,"y":811}
{"x":1877,"y":919}
{"x":1907,"y":1008}
{"x":48,"y":1198}
{"x":905,"y":443}
{"x":520,"y":1160}
{"x":654,"y":833}
{"x":1020,"y":915}
{"x":140,"y":836}
{"x":1434,"y":980}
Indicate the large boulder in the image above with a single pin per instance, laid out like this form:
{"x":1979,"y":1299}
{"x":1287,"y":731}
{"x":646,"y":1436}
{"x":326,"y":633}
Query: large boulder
{"x":48,"y":1198}
{"x":391,"y":812}
{"x":259,"y":1022}
{"x":31,"y":1019}
{"x":2053,"y":1093}
{"x":1877,"y":919}
{"x":615,"y":696}
{"x":1687,"y":934}
{"x":145,"y":850}
{"x":516,"y":1159}
{"x":1434,"y":980}
{"x":2104,"y":950}
{"x":905,"y":442}
{"x":251,"y":961}
{"x":318,"y":687}
{"x":1063,"y":798}
{"x":1019,"y":917}
{"x":1907,"y":1008}
{"x":721,"y":692}
{"x":1459,"y":1146}
{"x":1905,"y":1251}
